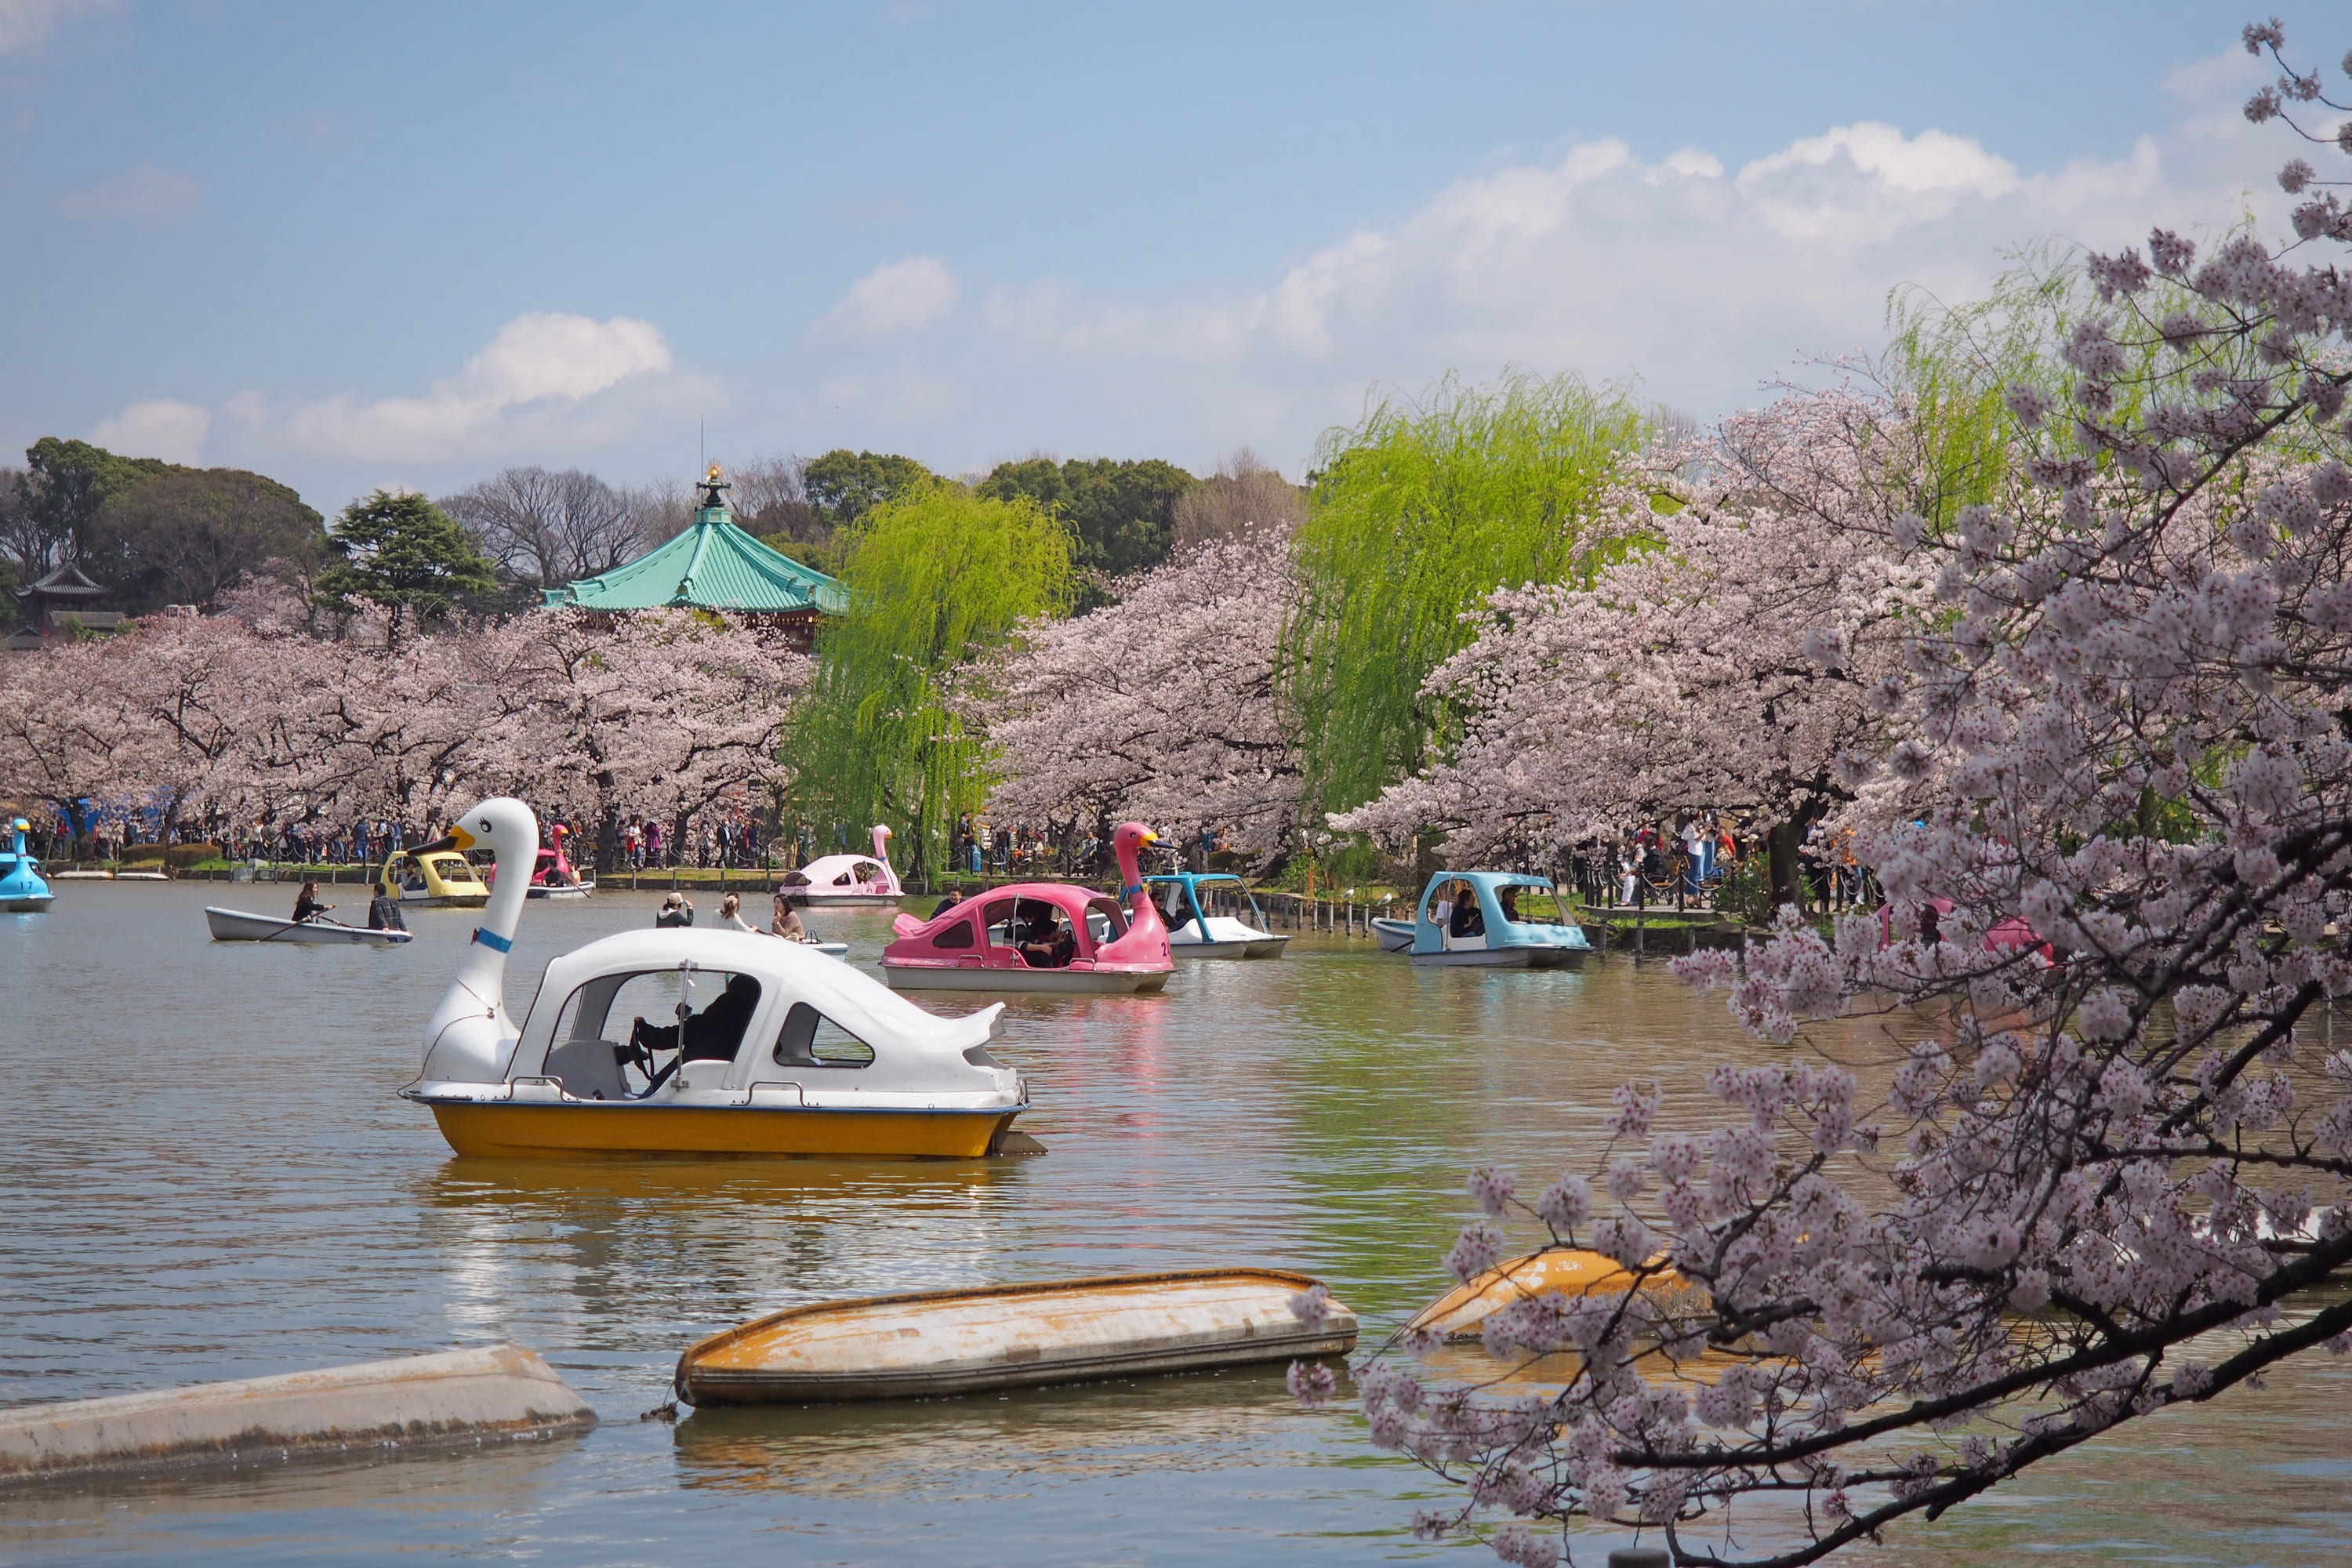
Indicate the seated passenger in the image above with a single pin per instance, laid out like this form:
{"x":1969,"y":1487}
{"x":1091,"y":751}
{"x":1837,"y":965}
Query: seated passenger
{"x":1508,"y":898}
{"x":786,"y":921}
{"x":1469,"y":920}
{"x":383,"y":913}
{"x":1047,"y":942}
{"x":307,"y":906}
{"x":950,"y":901}
{"x":710,"y":1036}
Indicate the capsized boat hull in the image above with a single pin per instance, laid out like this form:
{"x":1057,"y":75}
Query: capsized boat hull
{"x":1028,"y":982}
{"x":1506,"y":958}
{"x":1461,"y":1312}
{"x":592,"y":1129}
{"x":938,"y":1343}
{"x":235,"y":925}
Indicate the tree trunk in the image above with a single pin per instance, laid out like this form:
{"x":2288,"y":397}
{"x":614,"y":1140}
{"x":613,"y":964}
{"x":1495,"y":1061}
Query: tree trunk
{"x":1787,"y":839}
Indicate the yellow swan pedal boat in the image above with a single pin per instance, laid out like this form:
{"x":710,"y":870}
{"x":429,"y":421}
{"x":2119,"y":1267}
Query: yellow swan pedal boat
{"x":432,"y":878}
{"x":685,"y":1042}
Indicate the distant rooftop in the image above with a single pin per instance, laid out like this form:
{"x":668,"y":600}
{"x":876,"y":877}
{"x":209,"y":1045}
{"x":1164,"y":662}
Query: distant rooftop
{"x":713,"y":565}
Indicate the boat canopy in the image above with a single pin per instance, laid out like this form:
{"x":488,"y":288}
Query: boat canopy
{"x":808,"y":1012}
{"x":1187,"y":908}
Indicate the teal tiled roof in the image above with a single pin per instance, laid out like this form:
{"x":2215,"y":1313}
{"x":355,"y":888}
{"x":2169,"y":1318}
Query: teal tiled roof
{"x":713,"y":565}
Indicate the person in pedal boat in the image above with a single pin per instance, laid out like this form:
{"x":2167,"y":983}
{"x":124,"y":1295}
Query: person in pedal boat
{"x":675,"y":911}
{"x":730,"y":916}
{"x":307,"y":906}
{"x":711,"y":1035}
{"x":787,"y":920}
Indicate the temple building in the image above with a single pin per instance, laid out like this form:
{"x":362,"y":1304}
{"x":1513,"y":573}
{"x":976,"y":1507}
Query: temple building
{"x":58,"y":605}
{"x":713,"y":565}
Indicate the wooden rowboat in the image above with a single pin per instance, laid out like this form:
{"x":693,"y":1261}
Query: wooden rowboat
{"x":235,"y":925}
{"x":934,"y":1342}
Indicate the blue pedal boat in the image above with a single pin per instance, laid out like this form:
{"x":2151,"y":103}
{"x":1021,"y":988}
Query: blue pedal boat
{"x":1474,"y":918}
{"x":22,"y":889}
{"x":1194,"y":932}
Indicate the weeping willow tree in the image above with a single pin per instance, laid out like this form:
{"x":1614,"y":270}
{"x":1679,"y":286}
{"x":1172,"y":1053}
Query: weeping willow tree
{"x":1417,"y":512}
{"x":934,"y":578}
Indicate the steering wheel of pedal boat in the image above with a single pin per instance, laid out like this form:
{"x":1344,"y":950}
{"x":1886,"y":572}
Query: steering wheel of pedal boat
{"x":646,"y":1057}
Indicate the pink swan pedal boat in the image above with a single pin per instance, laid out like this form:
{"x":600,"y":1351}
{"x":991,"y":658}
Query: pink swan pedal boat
{"x":847,"y":881}
{"x":1040,"y":937}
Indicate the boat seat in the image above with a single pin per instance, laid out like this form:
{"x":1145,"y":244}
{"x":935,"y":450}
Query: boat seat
{"x":588,"y":1069}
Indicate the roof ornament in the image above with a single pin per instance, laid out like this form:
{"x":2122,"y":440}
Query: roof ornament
{"x":711,"y":485}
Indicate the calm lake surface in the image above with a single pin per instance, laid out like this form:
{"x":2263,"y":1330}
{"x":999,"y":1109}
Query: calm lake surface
{"x":208,"y":1175}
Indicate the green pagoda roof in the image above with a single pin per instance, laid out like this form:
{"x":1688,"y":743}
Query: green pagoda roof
{"x":713,"y":565}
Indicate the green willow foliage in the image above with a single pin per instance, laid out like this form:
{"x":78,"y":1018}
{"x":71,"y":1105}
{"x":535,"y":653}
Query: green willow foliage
{"x":1417,"y":512}
{"x":936,"y":576}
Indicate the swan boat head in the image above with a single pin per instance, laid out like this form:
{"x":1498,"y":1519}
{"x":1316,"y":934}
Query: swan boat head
{"x":471,"y":1036}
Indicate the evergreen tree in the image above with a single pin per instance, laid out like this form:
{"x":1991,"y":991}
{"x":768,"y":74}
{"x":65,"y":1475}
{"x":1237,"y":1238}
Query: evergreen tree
{"x":405,"y":554}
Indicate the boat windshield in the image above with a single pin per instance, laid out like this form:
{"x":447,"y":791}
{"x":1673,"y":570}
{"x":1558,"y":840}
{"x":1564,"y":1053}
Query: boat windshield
{"x":453,"y":868}
{"x":703,"y":1012}
{"x":1239,"y":886}
{"x":1531,"y":904}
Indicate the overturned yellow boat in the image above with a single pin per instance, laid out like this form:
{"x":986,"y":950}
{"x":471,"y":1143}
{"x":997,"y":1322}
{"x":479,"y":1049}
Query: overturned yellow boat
{"x":683,"y":1042}
{"x":935,"y":1342}
{"x":1461,"y":1312}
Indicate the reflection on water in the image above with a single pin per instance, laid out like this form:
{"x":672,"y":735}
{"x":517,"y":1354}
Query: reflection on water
{"x":210,"y":1177}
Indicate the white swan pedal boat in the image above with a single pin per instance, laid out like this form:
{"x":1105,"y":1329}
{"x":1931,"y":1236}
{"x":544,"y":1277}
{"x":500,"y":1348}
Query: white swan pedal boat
{"x":237,"y":925}
{"x":690,"y":1042}
{"x":1011,"y":1336}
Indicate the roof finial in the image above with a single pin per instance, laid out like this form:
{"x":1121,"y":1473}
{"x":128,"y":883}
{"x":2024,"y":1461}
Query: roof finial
{"x":712,"y":485}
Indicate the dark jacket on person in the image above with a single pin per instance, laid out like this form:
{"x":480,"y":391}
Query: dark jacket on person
{"x":712,"y":1035}
{"x":383,"y":915}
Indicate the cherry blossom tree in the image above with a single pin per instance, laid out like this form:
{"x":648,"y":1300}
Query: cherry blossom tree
{"x":1726,"y":664}
{"x":247,"y":715}
{"x":663,"y":712}
{"x":2101,"y":1165}
{"x":1162,"y":704}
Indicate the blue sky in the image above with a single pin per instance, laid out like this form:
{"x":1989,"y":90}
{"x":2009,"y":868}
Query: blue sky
{"x":353,"y":245}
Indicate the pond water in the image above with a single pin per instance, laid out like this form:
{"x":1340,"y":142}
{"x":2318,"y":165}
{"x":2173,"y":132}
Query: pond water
{"x":208,"y":1175}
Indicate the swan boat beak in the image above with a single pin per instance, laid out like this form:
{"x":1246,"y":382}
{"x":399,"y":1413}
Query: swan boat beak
{"x":456,"y":838}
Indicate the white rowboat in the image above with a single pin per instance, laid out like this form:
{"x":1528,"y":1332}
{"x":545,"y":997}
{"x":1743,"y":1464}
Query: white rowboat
{"x":938,"y":1343}
{"x":235,"y":925}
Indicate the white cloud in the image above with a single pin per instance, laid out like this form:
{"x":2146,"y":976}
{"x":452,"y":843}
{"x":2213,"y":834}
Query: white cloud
{"x":1703,"y":282}
{"x":143,"y":193}
{"x":892,"y":301}
{"x":535,"y":373}
{"x":26,"y":24}
{"x":160,"y":428}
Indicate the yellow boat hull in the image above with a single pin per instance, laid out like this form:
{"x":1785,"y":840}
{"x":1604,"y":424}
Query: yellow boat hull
{"x":570,"y":1131}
